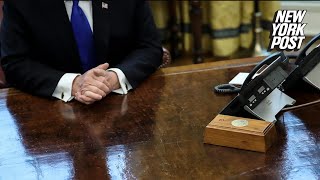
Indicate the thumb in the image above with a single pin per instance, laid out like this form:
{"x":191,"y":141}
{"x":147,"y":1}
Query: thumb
{"x":103,"y":66}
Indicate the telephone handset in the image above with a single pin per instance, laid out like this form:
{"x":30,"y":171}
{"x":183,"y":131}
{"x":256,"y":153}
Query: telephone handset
{"x":259,"y":96}
{"x":303,"y":52}
{"x":307,"y":67}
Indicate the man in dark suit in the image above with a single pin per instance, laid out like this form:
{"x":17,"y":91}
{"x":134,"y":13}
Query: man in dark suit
{"x":81,"y":49}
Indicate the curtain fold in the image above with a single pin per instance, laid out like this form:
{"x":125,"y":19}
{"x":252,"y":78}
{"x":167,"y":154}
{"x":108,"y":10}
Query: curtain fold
{"x":226,"y":25}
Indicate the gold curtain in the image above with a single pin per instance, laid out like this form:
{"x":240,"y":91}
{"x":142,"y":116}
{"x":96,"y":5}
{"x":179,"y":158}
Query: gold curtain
{"x":227,"y":25}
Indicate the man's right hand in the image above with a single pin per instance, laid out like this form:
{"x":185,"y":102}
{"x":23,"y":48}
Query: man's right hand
{"x":92,"y":85}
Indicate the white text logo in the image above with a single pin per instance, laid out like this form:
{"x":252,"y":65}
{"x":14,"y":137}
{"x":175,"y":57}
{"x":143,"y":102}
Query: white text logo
{"x":287,"y":30}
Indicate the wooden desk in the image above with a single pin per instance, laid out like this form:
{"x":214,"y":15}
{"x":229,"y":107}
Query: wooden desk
{"x":155,"y":132}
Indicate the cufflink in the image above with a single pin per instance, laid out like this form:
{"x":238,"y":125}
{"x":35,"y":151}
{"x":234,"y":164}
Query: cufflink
{"x":62,"y":95}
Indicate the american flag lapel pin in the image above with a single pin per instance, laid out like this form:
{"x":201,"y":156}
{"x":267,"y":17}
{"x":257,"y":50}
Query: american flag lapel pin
{"x":104,"y":5}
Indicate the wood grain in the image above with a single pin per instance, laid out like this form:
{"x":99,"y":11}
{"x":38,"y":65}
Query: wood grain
{"x":154,"y":132}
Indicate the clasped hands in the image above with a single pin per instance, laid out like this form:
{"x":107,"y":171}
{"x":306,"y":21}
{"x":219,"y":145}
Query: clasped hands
{"x":95,"y":84}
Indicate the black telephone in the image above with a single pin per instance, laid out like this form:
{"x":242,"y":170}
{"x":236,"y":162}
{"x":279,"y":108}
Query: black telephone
{"x":306,"y":66}
{"x":270,"y":73}
{"x":260,"y":97}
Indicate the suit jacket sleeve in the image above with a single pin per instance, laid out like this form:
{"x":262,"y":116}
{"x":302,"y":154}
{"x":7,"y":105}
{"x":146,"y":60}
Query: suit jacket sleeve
{"x":20,"y":70}
{"x":146,"y":56}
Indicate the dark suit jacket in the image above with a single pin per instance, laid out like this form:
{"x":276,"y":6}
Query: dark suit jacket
{"x":38,"y":47}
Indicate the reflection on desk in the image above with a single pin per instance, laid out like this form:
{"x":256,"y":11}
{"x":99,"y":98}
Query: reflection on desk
{"x":156,"y":131}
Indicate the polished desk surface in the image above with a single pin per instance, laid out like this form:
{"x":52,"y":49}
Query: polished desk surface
{"x":154,"y":132}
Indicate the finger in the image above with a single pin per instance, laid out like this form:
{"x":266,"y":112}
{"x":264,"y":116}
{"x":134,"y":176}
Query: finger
{"x":85,"y":98}
{"x":98,"y":81}
{"x":104,"y":86}
{"x":108,"y":85}
{"x":91,"y":96}
{"x":100,"y":78}
{"x":94,"y":89}
{"x":101,"y":88}
{"x":99,"y":72}
{"x":90,"y":79}
{"x":104,"y":66}
{"x":82,"y":98}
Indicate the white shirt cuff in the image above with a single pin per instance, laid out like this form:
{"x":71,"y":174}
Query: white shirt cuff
{"x":64,"y":87}
{"x":124,"y":83}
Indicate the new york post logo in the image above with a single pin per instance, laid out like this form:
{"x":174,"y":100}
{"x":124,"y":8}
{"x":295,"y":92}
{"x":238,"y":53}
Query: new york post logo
{"x":287,"y":30}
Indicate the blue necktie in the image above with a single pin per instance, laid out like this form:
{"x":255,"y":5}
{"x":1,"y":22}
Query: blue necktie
{"x":83,"y":36}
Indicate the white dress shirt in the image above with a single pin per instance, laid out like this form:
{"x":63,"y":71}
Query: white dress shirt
{"x":64,"y":87}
